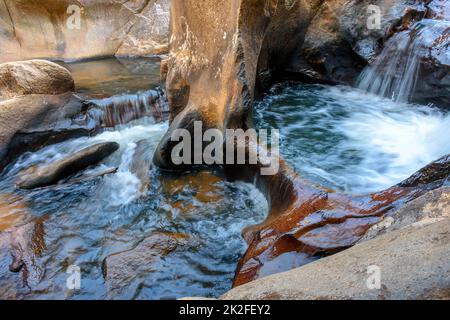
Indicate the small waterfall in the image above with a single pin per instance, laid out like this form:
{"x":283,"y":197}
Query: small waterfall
{"x":410,"y":57}
{"x":122,"y":109}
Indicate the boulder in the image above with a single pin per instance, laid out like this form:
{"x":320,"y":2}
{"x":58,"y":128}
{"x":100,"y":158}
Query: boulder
{"x":45,"y":175}
{"x":66,"y":29}
{"x":414,"y":263}
{"x":150,"y":33}
{"x":33,"y":77}
{"x":217,"y":50}
{"x":338,"y":43}
{"x":432,"y":207}
{"x":30,"y":122}
{"x":120,"y":269}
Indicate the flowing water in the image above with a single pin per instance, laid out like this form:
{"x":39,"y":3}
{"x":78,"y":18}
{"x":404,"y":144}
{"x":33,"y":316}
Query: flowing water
{"x":409,"y":55}
{"x":336,"y":136}
{"x":352,"y":141}
{"x":85,"y":222}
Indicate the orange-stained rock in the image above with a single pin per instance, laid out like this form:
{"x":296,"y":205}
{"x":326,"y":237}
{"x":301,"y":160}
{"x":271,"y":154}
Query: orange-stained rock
{"x":12,"y":211}
{"x":203,"y":185}
{"x":315,"y":223}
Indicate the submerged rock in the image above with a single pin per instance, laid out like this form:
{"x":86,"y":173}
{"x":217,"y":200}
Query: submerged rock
{"x":42,"y":176}
{"x":33,"y":77}
{"x":414,"y":263}
{"x":20,"y":265}
{"x":120,"y":269}
{"x":13,"y":211}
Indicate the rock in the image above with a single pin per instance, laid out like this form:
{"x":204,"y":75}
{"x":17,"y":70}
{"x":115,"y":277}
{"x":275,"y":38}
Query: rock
{"x":70,"y":30}
{"x":216,"y":52}
{"x":324,"y":48}
{"x":437,"y":171}
{"x":217,"y":56}
{"x":306,"y":223}
{"x":413,"y":64}
{"x":20,"y":265}
{"x":338,"y":42}
{"x":432,"y":207}
{"x":33,"y":77}
{"x":85,"y":178}
{"x":150,"y":33}
{"x":414,"y":263}
{"x":354,"y":17}
{"x":120,"y":269}
{"x":42,"y":176}
{"x":30,"y":122}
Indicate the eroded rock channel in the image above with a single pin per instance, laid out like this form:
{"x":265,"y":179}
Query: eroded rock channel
{"x":88,"y":181}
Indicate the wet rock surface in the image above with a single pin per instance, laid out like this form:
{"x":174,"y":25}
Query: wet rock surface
{"x":33,"y":77}
{"x":432,"y":207}
{"x":413,"y":263}
{"x":20,"y":258}
{"x":310,"y":223}
{"x":413,"y":64}
{"x":121,"y":268}
{"x":45,"y":175}
{"x":12,"y":211}
{"x":30,"y":122}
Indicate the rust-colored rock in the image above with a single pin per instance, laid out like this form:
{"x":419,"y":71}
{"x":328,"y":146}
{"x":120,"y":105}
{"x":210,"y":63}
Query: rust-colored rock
{"x":12,"y":211}
{"x":311,"y":223}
